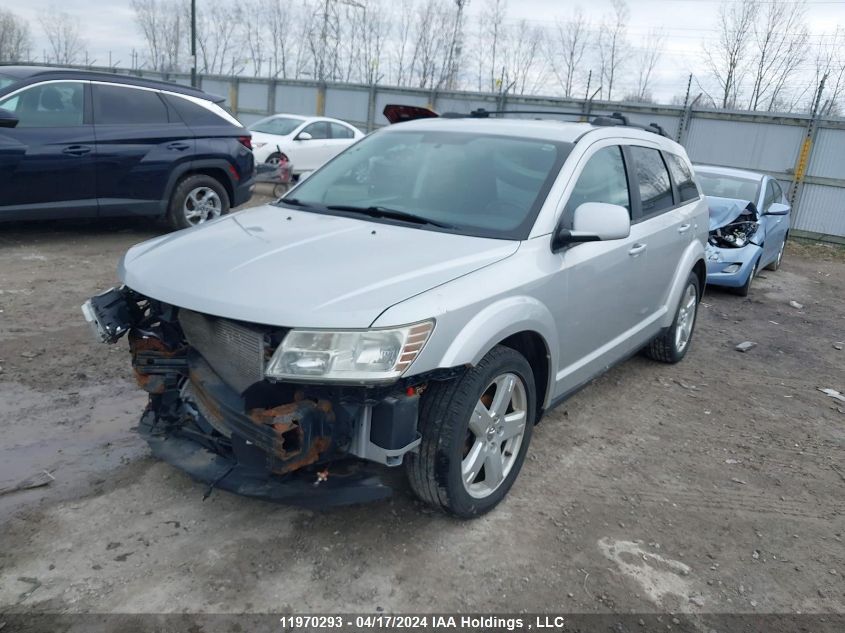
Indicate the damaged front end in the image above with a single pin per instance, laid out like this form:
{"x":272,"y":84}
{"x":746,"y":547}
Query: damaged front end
{"x":734,"y":244}
{"x":214,"y":414}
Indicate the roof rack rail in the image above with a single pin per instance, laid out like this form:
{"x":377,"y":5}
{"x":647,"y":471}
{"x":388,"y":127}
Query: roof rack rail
{"x":396,"y":113}
{"x":601,"y":120}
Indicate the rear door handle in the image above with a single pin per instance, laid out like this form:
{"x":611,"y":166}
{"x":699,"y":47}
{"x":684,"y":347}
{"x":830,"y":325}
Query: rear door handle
{"x":636,"y":249}
{"x":77,"y":150}
{"x":178,"y":146}
{"x":683,"y":228}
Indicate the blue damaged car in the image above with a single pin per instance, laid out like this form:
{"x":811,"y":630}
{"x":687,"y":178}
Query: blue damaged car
{"x":749,"y":225}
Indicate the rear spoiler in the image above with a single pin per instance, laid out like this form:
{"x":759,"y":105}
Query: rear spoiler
{"x":397,"y":113}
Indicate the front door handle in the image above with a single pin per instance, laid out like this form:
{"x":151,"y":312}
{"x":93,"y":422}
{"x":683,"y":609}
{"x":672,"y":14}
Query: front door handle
{"x":683,"y":228}
{"x":178,"y":146}
{"x":77,"y":150}
{"x":636,"y":249}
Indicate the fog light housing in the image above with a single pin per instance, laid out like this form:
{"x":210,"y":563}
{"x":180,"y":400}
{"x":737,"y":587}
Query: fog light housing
{"x":732,"y":268}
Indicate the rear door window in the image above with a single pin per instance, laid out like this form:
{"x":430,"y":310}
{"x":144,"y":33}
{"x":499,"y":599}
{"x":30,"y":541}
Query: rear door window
{"x":120,"y":105}
{"x":682,"y":175}
{"x":653,"y":179}
{"x":603,"y":179}
{"x":51,"y":104}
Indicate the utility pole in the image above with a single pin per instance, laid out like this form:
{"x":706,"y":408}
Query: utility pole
{"x":194,"y":43}
{"x":803,"y":159}
{"x":324,"y":34}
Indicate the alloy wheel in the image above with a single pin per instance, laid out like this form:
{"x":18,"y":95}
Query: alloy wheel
{"x":202,"y":204}
{"x":494,"y":436}
{"x":686,"y":318}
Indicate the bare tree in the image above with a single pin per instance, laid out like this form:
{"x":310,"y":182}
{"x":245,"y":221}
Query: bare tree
{"x":490,"y":42}
{"x":217,"y":27}
{"x":780,"y":42}
{"x":374,"y":30}
{"x":63,"y":36}
{"x":431,"y":42}
{"x":276,"y":16}
{"x":15,"y":40}
{"x":613,"y":45}
{"x":646,"y":59}
{"x":728,"y":59}
{"x":565,"y":49}
{"x":162,"y":24}
{"x":521,"y":58}
{"x":830,"y":65}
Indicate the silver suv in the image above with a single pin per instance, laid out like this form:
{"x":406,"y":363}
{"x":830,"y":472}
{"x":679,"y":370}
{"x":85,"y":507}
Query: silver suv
{"x":422,"y":299}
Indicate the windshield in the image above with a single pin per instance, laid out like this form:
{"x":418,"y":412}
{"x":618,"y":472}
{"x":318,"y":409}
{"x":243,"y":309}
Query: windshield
{"x":281,"y":126}
{"x":474,"y":184}
{"x":722,"y":186}
{"x":6,"y":81}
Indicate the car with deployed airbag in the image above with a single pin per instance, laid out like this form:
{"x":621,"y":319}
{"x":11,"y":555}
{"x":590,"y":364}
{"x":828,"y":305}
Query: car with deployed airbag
{"x":749,"y":225}
{"x":420,"y":301}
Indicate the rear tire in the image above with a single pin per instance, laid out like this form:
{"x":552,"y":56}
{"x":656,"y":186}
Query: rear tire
{"x":672,"y":344}
{"x":195,"y":200}
{"x":462,"y":434}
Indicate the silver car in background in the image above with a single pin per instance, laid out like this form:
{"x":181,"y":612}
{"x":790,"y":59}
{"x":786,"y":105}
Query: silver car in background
{"x":422,"y":299}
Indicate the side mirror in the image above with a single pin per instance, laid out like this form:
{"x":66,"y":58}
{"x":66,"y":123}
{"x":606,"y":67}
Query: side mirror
{"x":777,"y":208}
{"x":8,"y":118}
{"x":303,"y":136}
{"x":594,"y":222}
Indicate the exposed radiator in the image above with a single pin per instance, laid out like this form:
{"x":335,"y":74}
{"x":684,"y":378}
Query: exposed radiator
{"x":234,"y":351}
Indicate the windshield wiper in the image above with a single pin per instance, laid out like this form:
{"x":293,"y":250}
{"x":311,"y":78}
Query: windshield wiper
{"x":296,"y":202}
{"x":392,"y":214}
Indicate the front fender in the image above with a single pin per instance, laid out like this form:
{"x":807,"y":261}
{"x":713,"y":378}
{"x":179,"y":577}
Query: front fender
{"x":693,"y":253}
{"x":495,"y":323}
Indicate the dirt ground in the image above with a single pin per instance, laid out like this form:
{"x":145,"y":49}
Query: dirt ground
{"x":713,"y":486}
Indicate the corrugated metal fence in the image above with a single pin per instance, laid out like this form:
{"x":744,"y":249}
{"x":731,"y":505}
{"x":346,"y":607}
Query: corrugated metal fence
{"x":770,"y":143}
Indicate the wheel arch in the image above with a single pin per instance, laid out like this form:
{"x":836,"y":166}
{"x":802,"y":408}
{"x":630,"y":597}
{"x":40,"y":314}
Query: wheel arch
{"x":213,"y":169}
{"x":520,"y":323}
{"x":700,"y":270}
{"x":535,"y":350}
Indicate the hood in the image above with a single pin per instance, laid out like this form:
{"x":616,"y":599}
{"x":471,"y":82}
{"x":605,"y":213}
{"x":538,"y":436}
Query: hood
{"x":723,"y":211}
{"x":282,"y":267}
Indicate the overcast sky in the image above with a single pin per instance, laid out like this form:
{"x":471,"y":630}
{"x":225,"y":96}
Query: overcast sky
{"x":109,"y":26}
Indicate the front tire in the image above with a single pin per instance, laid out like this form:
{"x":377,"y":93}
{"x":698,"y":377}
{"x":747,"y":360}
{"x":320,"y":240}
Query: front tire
{"x":743,"y":290}
{"x":672,"y":344}
{"x":196,"y":199}
{"x":776,"y":264}
{"x":475,"y":433}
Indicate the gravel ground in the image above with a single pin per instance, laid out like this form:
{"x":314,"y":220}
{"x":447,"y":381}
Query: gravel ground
{"x":713,"y":486}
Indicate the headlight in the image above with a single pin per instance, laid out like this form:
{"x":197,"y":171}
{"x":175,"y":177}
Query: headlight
{"x":351,"y":356}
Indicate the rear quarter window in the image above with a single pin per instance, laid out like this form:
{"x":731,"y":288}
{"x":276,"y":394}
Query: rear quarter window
{"x":682,"y":175}
{"x":192,"y":113}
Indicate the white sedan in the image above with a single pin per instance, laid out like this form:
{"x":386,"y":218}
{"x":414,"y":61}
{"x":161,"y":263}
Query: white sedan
{"x":307,"y":142}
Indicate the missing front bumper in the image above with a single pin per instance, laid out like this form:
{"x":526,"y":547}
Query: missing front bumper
{"x":349,"y":482}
